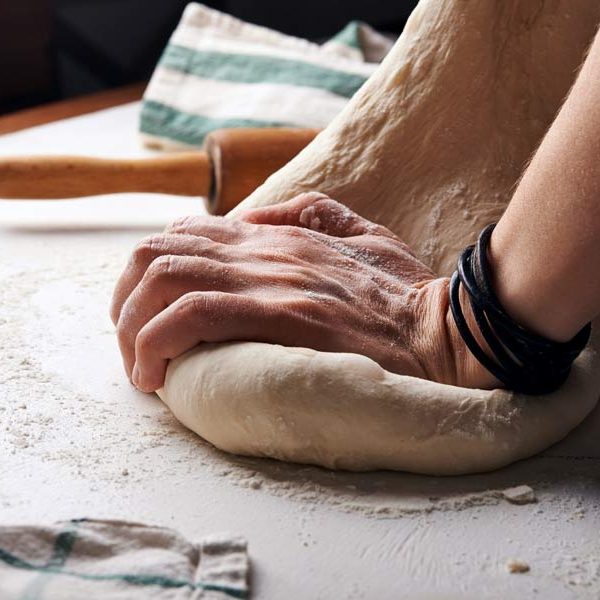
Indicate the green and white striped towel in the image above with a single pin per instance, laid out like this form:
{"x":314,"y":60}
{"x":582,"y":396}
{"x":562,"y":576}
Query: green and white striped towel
{"x":219,"y":72}
{"x":118,"y":560}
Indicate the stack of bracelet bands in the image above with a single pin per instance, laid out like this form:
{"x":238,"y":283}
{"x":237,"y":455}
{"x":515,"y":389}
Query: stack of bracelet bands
{"x":524,"y":361}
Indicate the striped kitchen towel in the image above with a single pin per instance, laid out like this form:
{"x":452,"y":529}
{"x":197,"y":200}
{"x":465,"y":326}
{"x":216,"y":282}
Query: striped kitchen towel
{"x":117,"y":560}
{"x":219,"y":72}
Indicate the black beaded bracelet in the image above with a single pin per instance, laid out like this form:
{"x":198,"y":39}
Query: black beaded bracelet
{"x":524,"y":361}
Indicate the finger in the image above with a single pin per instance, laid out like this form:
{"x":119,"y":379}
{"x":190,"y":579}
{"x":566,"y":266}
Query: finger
{"x":218,"y":229}
{"x":148,"y":250}
{"x":320,"y":213}
{"x":283,"y":213}
{"x":195,"y":318}
{"x":167,"y":279}
{"x":335,"y":219}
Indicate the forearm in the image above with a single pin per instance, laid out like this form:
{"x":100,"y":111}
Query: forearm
{"x":545,"y":248}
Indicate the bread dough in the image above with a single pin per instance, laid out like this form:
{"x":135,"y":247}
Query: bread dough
{"x":343,"y":411}
{"x":431,"y":146}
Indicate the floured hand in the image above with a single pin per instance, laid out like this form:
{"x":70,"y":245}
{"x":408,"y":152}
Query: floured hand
{"x":308,"y":272}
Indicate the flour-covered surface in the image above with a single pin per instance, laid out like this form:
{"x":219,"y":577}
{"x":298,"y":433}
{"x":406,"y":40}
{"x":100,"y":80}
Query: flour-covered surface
{"x":78,"y":441}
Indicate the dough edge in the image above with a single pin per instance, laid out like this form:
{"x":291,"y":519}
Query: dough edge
{"x":344,"y":411}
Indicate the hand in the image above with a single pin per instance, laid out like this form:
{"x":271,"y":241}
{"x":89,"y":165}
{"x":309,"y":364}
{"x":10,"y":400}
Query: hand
{"x":308,"y":272}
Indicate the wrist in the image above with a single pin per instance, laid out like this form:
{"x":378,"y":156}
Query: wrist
{"x":441,"y":347}
{"x":529,"y":294}
{"x":469,"y":371}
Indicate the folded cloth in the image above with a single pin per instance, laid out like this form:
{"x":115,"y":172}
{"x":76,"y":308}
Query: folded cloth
{"x":118,"y":560}
{"x":219,"y":72}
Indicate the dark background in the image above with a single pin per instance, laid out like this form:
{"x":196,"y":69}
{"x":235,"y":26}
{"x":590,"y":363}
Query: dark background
{"x":56,"y":49}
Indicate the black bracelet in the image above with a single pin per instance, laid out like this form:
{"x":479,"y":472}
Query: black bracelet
{"x":524,"y":361}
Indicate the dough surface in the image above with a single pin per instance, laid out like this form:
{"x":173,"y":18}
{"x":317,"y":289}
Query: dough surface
{"x":343,"y":411}
{"x":431,"y":146}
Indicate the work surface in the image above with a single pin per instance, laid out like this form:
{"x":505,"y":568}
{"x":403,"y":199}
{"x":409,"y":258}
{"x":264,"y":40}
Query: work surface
{"x":78,"y":441}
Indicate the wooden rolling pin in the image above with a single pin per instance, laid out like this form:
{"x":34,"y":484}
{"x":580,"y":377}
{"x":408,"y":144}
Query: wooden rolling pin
{"x":233,"y":163}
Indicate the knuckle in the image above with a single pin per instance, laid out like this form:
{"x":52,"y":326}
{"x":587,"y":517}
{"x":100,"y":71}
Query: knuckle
{"x":384,"y":244}
{"x":324,"y":203}
{"x":182,"y":224}
{"x":330,"y":204}
{"x":148,"y":249}
{"x":193,"y":305}
{"x":193,"y":302}
{"x":163,"y":267}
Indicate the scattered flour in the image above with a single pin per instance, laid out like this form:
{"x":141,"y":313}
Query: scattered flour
{"x":48,"y":414}
{"x":579,"y":572}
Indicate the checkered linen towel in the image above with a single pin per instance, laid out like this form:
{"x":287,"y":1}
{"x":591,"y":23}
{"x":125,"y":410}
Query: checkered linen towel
{"x":116,"y":560}
{"x":219,"y":72}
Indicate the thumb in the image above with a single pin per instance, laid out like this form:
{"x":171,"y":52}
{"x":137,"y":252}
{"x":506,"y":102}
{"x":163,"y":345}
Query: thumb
{"x":318,"y":212}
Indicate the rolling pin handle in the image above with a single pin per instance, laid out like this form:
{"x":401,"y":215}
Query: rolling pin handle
{"x":58,"y":177}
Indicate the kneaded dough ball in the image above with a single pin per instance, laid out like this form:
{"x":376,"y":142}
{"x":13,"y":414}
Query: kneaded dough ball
{"x":431,"y":146}
{"x":343,"y":411}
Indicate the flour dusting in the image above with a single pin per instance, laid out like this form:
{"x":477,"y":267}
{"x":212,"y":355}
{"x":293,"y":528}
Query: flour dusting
{"x":50,"y":409}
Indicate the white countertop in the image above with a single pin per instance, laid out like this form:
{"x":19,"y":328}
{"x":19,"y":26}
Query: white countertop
{"x":77,"y":440}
